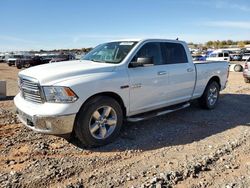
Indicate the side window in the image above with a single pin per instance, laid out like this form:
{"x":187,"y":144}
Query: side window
{"x":150,"y":50}
{"x":226,"y":55}
{"x":220,"y":55}
{"x":174,"y":53}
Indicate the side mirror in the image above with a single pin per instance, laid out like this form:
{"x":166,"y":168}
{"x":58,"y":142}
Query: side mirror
{"x":141,"y":61}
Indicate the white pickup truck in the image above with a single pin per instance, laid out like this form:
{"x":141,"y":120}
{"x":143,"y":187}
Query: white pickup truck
{"x":121,"y":80}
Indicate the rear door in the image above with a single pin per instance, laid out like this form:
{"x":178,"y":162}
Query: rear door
{"x":181,"y":73}
{"x":148,"y":82}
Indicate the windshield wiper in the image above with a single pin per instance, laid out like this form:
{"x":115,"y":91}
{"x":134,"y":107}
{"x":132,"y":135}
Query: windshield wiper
{"x":112,"y":62}
{"x":95,"y":60}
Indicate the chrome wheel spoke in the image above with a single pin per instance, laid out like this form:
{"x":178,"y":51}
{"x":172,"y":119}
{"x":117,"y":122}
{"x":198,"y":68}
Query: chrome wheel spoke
{"x":94,"y":128}
{"x":103,"y":131}
{"x":106,"y":111}
{"x":111,"y":121}
{"x":96,"y":115}
{"x":212,"y":96}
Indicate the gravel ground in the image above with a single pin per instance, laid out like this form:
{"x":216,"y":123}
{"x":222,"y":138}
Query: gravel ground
{"x":189,"y":148}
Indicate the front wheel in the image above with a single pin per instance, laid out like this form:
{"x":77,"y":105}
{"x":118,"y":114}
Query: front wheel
{"x":99,"y":121}
{"x":210,"y":96}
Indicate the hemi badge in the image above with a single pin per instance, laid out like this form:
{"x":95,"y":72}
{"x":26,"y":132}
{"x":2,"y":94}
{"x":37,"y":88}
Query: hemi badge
{"x":125,"y":86}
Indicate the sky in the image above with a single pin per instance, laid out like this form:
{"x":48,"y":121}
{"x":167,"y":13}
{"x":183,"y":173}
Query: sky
{"x":62,"y":24}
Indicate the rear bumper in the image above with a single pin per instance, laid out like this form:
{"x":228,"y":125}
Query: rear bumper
{"x":56,"y":125}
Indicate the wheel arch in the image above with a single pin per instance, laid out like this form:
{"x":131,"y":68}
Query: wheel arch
{"x":216,"y":79}
{"x":113,"y":95}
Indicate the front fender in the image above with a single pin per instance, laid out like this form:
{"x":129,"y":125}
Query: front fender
{"x":88,"y":85}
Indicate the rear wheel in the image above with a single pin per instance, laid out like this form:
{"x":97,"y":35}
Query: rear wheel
{"x":99,"y":121}
{"x":210,"y":96}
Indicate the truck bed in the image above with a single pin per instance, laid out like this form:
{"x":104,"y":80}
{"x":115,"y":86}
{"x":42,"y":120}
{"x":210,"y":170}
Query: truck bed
{"x":206,"y":70}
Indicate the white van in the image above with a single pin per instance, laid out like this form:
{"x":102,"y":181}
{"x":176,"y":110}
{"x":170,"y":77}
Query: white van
{"x":219,"y":55}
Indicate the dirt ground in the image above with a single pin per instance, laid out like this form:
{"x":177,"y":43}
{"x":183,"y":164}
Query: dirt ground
{"x":190,"y":148}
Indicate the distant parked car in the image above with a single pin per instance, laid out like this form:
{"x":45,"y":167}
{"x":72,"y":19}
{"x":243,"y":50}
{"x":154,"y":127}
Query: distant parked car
{"x":12,"y":59}
{"x":219,"y":55}
{"x":246,"y":55}
{"x":25,"y":61}
{"x":246,"y":72}
{"x":198,"y":58}
{"x":2,"y":58}
{"x":235,"y":57}
{"x":33,"y":61}
{"x":62,"y":57}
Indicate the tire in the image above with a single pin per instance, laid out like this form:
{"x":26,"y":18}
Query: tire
{"x":18,"y":66}
{"x":210,"y":97}
{"x":238,"y":68}
{"x":92,"y":128}
{"x":247,"y":80}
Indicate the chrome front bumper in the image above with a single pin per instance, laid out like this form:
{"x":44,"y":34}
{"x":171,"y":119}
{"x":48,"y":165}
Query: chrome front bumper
{"x":56,"y":125}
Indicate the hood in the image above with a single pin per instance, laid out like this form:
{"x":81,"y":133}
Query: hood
{"x":49,"y":74}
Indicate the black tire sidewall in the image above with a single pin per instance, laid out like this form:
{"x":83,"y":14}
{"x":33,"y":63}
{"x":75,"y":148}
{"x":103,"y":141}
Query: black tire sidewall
{"x":82,"y":131}
{"x":212,"y":84}
{"x":203,"y":100}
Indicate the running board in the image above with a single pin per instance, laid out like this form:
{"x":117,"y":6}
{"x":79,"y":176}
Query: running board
{"x":152,"y":114}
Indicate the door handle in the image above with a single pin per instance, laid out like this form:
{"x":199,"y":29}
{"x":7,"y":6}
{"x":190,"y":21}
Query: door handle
{"x":162,"y":73}
{"x":190,"y":70}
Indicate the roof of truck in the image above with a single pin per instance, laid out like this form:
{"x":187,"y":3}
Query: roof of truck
{"x":143,"y":39}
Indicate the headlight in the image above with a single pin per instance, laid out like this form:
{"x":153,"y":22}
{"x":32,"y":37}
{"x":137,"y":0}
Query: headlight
{"x":59,"y":94}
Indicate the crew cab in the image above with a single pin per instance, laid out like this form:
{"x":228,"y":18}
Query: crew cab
{"x":121,"y":80}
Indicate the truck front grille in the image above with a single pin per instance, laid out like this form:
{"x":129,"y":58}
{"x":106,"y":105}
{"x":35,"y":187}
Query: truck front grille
{"x":30,"y":89}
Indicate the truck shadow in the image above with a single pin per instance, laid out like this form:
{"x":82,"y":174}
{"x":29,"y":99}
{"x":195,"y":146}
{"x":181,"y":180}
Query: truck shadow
{"x":183,"y":127}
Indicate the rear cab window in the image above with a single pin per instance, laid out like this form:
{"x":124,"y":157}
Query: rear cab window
{"x":173,"y":53}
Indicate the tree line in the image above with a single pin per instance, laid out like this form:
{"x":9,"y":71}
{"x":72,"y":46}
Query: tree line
{"x":221,"y":44}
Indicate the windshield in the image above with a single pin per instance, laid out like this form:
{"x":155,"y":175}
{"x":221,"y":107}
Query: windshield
{"x":113,"y":52}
